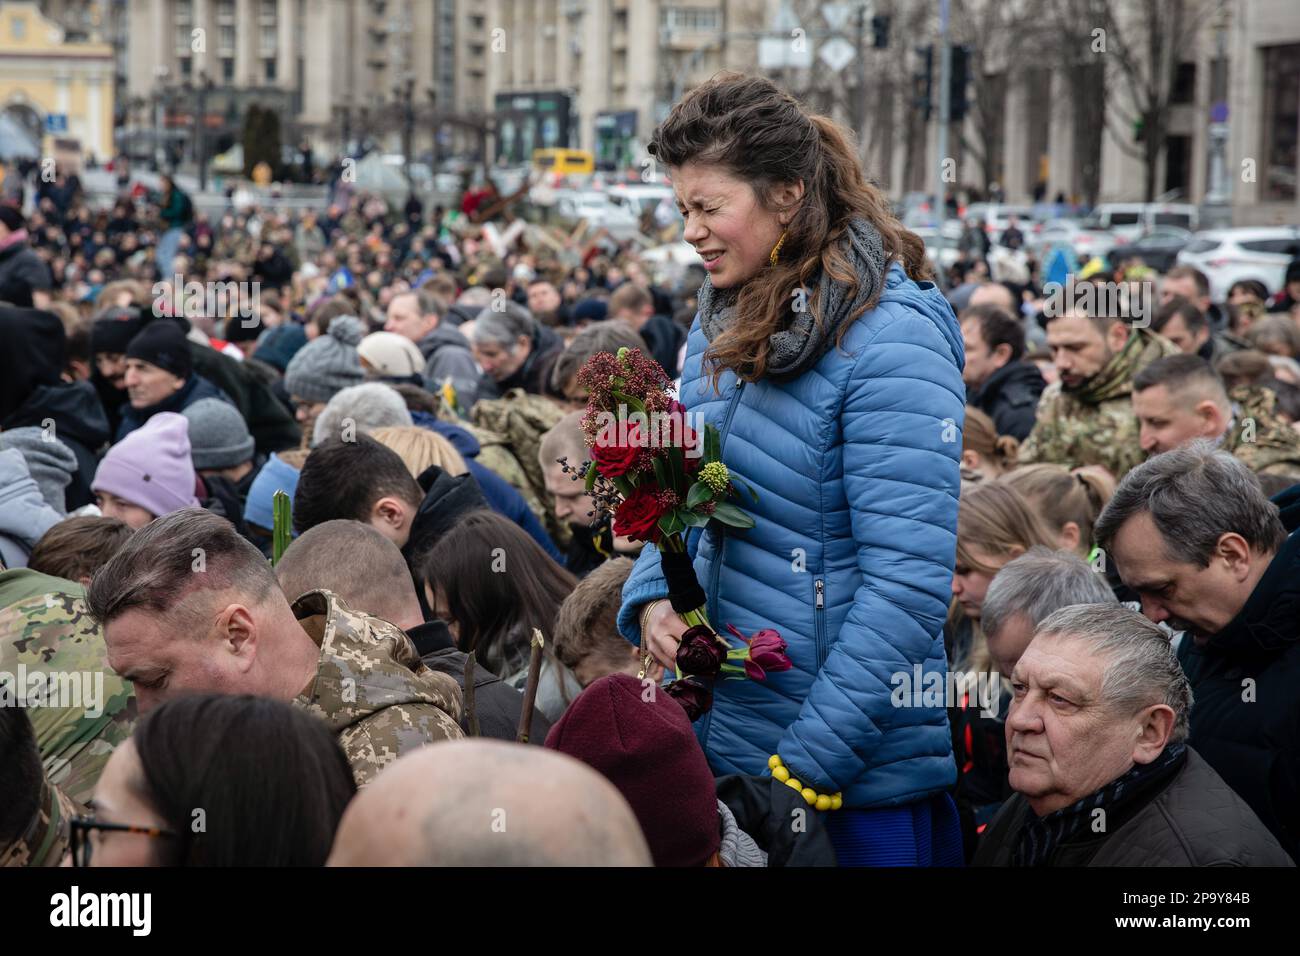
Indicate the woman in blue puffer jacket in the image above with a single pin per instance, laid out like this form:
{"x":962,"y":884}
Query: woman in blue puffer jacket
{"x":832,"y":370}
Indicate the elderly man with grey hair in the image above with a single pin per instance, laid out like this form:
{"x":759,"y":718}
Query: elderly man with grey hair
{"x":514,"y":350}
{"x":1097,"y":746}
{"x":1191,"y":532}
{"x":1026,"y":591}
{"x":417,"y":315}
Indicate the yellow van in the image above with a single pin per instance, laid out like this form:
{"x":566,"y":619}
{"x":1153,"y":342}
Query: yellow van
{"x":564,"y":161}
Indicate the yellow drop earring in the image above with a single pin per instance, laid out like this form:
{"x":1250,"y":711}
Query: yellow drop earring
{"x":776,"y":249}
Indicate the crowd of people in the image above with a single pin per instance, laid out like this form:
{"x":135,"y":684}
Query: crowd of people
{"x":1084,"y":518}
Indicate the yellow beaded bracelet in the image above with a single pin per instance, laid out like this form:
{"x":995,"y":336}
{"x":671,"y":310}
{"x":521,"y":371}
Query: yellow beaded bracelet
{"x":818,"y":801}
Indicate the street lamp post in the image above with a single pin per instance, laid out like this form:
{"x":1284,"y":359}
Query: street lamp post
{"x":201,"y":128}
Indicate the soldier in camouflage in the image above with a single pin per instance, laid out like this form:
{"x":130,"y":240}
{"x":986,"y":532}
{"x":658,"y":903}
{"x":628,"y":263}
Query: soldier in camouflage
{"x":1181,"y":398}
{"x":1087,"y":418}
{"x":371,"y":687}
{"x":47,"y":630}
{"x":189,"y":606}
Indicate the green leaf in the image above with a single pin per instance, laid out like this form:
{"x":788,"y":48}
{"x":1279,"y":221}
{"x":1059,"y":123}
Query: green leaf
{"x":748,"y":487}
{"x":631,"y":401}
{"x":694,"y":519}
{"x":712,"y":444}
{"x":678,"y":470}
{"x":699,"y":493}
{"x":671,"y":523}
{"x":591,"y":476}
{"x":732,"y":516}
{"x":624,"y":486}
{"x":661,"y":473}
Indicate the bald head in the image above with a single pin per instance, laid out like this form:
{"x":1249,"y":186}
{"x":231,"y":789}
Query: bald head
{"x":489,"y":803}
{"x":993,"y":293}
{"x":357,"y":563}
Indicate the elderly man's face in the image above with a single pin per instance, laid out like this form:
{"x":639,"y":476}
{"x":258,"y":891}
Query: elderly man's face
{"x":405,"y":318}
{"x":1063,"y":740}
{"x":147,"y":384}
{"x":161,"y":663}
{"x":499,"y":361}
{"x":1200,"y":601}
{"x":1008,"y":644}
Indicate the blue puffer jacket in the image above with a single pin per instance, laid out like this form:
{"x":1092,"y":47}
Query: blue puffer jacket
{"x":855,"y":464}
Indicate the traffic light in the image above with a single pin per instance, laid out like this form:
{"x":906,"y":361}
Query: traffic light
{"x":880,"y":31}
{"x":959,"y":78}
{"x":921,"y":81}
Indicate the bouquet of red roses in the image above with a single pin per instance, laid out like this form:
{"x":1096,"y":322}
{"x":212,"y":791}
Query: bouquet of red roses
{"x":657,"y":476}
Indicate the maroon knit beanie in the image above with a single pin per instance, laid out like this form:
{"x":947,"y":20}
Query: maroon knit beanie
{"x":642,"y":741}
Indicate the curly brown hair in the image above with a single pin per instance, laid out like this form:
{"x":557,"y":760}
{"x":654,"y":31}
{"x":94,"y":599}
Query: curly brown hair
{"x":764,"y":136}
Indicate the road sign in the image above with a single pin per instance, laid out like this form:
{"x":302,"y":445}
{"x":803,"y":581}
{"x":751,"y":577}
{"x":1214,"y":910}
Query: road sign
{"x":837,"y":53}
{"x":56,"y":122}
{"x":837,"y":14}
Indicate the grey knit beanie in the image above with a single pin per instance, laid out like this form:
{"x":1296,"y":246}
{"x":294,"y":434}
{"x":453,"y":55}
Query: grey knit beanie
{"x":51,"y":462}
{"x":328,"y":364}
{"x":219,"y":437}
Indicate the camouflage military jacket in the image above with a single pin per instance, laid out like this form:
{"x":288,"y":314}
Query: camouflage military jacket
{"x":371,"y":688}
{"x":1263,"y":442}
{"x":1095,"y":424}
{"x":51,"y":646}
{"x":45,"y":841}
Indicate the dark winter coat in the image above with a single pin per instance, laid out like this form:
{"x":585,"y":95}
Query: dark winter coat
{"x":1246,"y":719}
{"x":1010,"y":397}
{"x":78,"y":421}
{"x":496,"y":704}
{"x":1195,"y":819}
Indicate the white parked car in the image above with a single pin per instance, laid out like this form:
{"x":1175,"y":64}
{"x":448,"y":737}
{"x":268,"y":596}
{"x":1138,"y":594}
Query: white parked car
{"x":596,"y":208}
{"x":1128,"y":220}
{"x":1085,"y":242}
{"x":1229,"y":255}
{"x":995,"y":217}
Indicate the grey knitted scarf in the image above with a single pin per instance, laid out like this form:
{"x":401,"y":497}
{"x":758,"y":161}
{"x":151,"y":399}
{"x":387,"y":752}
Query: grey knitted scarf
{"x":798,"y":346}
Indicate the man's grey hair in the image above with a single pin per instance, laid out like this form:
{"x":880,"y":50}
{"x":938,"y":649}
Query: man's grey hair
{"x":173,"y":556}
{"x":1195,"y":494}
{"x":1141,"y":666}
{"x":1039,"y":583}
{"x":475,"y":295}
{"x":503,"y":328}
{"x":367,"y":407}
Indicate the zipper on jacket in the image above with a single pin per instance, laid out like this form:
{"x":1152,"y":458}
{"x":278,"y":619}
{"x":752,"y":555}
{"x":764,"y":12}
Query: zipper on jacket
{"x":715,"y":572}
{"x":819,"y":621}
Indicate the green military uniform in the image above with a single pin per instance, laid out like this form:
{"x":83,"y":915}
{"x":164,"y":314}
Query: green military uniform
{"x":46,"y":627}
{"x":1094,"y":424}
{"x":371,"y":687}
{"x":1264,"y":443}
{"x":521,"y":420}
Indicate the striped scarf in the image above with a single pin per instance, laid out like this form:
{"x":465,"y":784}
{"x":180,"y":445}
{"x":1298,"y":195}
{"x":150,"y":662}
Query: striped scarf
{"x":1040,"y":836}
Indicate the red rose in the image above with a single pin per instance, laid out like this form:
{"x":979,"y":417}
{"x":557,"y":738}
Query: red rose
{"x":613,"y":460}
{"x":638,"y":516}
